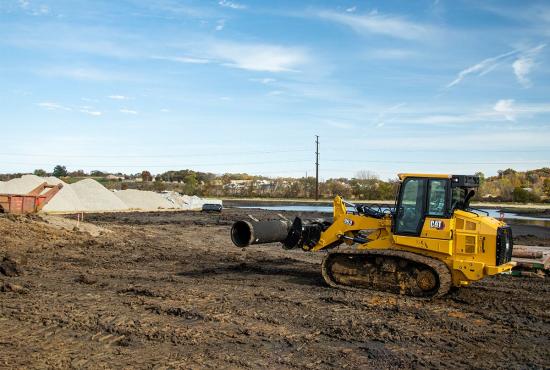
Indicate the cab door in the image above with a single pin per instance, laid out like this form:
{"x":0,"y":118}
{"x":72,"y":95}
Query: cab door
{"x":422,"y":219}
{"x":437,"y":223}
{"x":411,"y":207}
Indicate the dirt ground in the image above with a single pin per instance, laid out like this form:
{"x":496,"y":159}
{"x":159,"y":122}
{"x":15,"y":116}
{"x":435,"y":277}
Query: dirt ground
{"x":169,"y":290}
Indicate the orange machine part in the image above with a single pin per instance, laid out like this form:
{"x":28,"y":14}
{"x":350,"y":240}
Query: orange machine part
{"x":32,"y":202}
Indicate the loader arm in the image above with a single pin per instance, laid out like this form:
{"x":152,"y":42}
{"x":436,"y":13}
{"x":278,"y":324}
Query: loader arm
{"x":346,"y":227}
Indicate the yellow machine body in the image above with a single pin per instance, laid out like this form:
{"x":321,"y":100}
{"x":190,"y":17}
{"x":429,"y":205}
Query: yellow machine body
{"x":465,"y":241}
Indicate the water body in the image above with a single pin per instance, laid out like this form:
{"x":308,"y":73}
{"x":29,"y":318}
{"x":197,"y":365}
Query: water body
{"x":510,"y":217}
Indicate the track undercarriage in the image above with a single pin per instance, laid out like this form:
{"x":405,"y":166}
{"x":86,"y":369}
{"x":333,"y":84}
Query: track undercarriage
{"x":391,"y":271}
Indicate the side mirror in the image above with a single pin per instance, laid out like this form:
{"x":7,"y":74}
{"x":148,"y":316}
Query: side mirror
{"x":470,"y":195}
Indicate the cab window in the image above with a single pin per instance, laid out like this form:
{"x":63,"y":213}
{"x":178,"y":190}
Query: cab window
{"x":411,"y":208}
{"x":437,"y":195}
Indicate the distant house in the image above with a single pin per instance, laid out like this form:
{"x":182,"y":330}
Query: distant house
{"x":264,"y":185}
{"x":114,"y":177}
{"x":238,"y":184}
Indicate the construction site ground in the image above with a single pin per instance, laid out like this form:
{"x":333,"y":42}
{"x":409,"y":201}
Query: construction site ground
{"x":169,"y":290}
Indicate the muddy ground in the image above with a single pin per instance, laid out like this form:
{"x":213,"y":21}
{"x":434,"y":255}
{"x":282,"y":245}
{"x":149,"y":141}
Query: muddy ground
{"x":169,"y":290}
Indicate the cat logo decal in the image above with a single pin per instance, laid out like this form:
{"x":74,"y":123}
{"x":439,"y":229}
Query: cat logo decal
{"x":437,"y":224}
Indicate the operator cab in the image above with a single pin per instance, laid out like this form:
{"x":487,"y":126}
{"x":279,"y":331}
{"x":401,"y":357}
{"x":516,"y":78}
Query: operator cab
{"x":435,"y":196}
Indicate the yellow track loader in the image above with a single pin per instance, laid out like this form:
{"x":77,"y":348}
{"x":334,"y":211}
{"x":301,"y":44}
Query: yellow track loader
{"x":431,"y":241}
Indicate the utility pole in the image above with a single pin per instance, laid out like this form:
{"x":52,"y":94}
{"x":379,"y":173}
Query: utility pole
{"x":317,"y":167}
{"x":306,"y":187}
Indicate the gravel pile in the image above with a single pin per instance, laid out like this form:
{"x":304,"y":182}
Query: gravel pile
{"x":144,"y":200}
{"x":175,"y":199}
{"x":90,"y":196}
{"x":95,"y":197}
{"x":21,"y":185}
{"x":186,"y":202}
{"x":65,"y":200}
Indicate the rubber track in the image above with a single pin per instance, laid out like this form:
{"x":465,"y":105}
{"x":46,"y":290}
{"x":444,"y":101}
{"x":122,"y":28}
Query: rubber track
{"x":444,"y":275}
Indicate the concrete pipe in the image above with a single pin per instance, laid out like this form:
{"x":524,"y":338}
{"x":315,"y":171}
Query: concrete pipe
{"x":245,"y":232}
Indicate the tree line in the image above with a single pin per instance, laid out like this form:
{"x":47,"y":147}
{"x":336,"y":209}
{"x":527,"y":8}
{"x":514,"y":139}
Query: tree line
{"x":507,"y":186}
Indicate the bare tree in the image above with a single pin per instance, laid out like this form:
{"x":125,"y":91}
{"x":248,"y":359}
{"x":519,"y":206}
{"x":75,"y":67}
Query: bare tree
{"x":366,"y":175}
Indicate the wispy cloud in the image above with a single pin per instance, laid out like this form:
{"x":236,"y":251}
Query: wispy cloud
{"x":339,"y":124}
{"x":254,"y":57}
{"x":231,"y":4}
{"x":33,"y":9}
{"x":98,"y":41}
{"x":220,"y":25}
{"x":58,"y":107}
{"x":508,"y":109}
{"x":259,"y":57}
{"x":264,"y":81}
{"x":90,"y":111}
{"x":176,"y":8}
{"x":53,"y":106}
{"x":118,"y":97}
{"x":351,"y":9}
{"x":505,"y":108}
{"x":536,"y":15}
{"x":83,"y":74}
{"x":482,"y":68}
{"x":381,"y":24}
{"x":128,"y":111}
{"x":184,"y":59}
{"x":501,"y":111}
{"x":524,"y":64}
{"x":391,"y":54}
{"x":385,"y":115}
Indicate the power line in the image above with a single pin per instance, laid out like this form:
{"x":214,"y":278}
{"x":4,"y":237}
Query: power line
{"x":435,"y":162}
{"x":153,"y":156}
{"x":224,"y":153}
{"x":158,"y":166}
{"x":417,"y":150}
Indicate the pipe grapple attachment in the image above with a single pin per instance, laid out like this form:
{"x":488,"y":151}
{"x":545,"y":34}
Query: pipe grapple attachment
{"x":296,"y":234}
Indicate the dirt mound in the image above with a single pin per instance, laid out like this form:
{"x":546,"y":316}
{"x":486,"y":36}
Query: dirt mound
{"x":11,"y":265}
{"x":10,"y":287}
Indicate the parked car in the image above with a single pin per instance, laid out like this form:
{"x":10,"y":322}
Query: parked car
{"x":209,"y":207}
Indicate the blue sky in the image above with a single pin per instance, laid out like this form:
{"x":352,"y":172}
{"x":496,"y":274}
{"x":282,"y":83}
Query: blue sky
{"x":244,"y":86}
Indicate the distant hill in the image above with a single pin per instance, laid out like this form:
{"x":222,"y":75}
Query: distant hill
{"x":515,"y":186}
